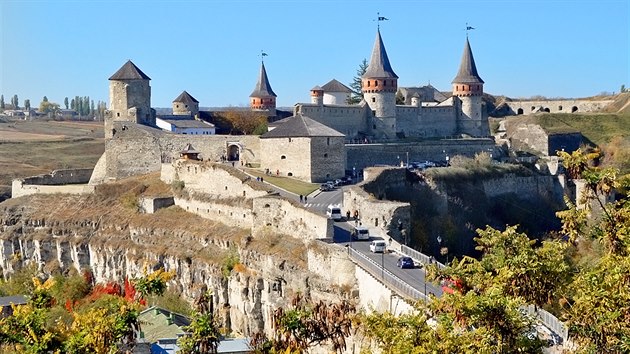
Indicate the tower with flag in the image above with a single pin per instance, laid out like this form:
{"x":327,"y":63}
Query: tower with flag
{"x":263,"y":98}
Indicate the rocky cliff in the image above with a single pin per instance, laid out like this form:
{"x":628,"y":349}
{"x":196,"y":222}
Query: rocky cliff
{"x":104,"y":232}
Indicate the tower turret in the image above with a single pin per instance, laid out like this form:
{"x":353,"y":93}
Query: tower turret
{"x":185,"y":104}
{"x":317,"y":95}
{"x":468,"y":87}
{"x":379,"y":85}
{"x":263,"y":97}
{"x":129,"y":98}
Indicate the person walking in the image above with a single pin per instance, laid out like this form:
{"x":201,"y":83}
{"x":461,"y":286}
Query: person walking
{"x":301,"y":198}
{"x":348,"y":215}
{"x":305,"y":197}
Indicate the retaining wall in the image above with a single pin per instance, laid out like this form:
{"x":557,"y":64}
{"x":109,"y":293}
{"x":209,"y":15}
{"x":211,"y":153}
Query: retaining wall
{"x":289,"y":218}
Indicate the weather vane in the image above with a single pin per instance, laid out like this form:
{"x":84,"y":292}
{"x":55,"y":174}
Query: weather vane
{"x":263,"y":55}
{"x":468,"y":28}
{"x":380,"y":18}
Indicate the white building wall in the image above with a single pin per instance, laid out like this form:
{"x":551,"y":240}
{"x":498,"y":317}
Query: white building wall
{"x":195,"y":131}
{"x":164,"y":125}
{"x":336,"y":97}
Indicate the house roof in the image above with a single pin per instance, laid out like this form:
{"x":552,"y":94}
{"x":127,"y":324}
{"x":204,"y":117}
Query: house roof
{"x":467,"y":73}
{"x":185,"y":122}
{"x":301,"y":126}
{"x":185,"y":97}
{"x":379,"y":62}
{"x":335,"y":86}
{"x":129,"y":71}
{"x":15,"y":300}
{"x":263,"y":88}
{"x":160,"y":323}
{"x":189,"y":149}
{"x":317,"y":88}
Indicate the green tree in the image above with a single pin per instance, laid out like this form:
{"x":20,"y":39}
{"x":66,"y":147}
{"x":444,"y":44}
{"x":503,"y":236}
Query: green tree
{"x":15,"y":102}
{"x":203,"y":332}
{"x":623,"y":88}
{"x":45,"y":99}
{"x":400,"y":99}
{"x":1,"y":101}
{"x":355,"y":85}
{"x":65,"y":102}
{"x":27,"y":104}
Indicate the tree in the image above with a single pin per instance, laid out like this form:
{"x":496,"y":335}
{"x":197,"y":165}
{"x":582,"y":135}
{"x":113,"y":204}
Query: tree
{"x":65,"y":102}
{"x":15,"y":102}
{"x":1,"y":101}
{"x":45,"y":99}
{"x":27,"y":104}
{"x":48,"y":107}
{"x":306,"y":324}
{"x":355,"y":85}
{"x":400,"y":99}
{"x":203,"y":332}
{"x":623,"y":89}
{"x":245,"y":121}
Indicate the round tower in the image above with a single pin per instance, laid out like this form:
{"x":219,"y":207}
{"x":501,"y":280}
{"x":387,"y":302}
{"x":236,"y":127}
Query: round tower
{"x":263,"y":97}
{"x":415,"y":100}
{"x":468,"y":88}
{"x":380,"y":83}
{"x":317,"y":95}
{"x":129,"y":98}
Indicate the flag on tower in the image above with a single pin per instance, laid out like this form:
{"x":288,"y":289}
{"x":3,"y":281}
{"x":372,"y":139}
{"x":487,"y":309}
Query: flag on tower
{"x":263,"y":54}
{"x":468,"y":28}
{"x":383,"y":18}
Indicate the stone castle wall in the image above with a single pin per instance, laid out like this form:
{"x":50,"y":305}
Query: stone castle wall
{"x":360,"y":156}
{"x":274,"y":214}
{"x":327,"y":158}
{"x":380,"y":216}
{"x":287,"y":157}
{"x":348,"y":120}
{"x":71,"y":181}
{"x":137,"y":149}
{"x":556,"y":106}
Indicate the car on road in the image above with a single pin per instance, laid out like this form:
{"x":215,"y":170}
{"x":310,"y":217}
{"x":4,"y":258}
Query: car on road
{"x":405,"y":262}
{"x":378,"y":246}
{"x":360,"y":233}
{"x":334,"y":212}
{"x":325,"y":187}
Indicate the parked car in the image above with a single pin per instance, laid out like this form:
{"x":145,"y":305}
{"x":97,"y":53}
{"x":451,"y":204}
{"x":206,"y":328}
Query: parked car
{"x":405,"y":262}
{"x":328,"y":186}
{"x":346,"y":180}
{"x":378,"y":246}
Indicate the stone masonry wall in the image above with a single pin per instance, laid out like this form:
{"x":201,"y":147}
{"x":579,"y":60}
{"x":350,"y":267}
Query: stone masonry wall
{"x":327,"y":158}
{"x":71,"y":181}
{"x":380,"y":216}
{"x":287,"y":157}
{"x":278,"y":215}
{"x":557,"y":106}
{"x":528,"y":137}
{"x":360,"y":156}
{"x":61,"y":177}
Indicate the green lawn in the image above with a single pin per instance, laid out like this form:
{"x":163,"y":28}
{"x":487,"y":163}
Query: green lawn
{"x":290,"y":184}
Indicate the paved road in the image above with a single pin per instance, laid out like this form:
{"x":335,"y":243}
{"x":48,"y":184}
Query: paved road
{"x":414,"y":277}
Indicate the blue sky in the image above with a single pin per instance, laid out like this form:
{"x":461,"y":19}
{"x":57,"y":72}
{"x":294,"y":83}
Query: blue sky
{"x":555,"y":48}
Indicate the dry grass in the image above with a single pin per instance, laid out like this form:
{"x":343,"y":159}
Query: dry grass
{"x":287,"y":183}
{"x":29,"y":148}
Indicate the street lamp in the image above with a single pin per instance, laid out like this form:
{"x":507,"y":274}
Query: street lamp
{"x":407,"y":159}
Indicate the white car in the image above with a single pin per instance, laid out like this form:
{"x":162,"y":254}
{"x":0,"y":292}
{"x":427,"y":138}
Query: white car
{"x":378,"y":246}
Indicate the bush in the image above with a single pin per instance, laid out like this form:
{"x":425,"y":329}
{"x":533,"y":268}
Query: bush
{"x":178,"y":186}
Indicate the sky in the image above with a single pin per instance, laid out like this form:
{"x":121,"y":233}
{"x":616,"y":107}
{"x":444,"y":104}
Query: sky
{"x":522,"y":48}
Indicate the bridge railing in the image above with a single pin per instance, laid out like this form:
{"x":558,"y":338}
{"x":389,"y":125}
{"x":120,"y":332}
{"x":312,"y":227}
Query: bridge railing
{"x":389,"y":279}
{"x":410,"y":252}
{"x":550,"y":321}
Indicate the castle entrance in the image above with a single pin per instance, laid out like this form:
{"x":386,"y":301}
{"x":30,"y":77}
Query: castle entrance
{"x":233,"y":152}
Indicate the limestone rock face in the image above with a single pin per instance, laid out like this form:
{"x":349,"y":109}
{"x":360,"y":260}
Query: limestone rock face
{"x":261,"y":282}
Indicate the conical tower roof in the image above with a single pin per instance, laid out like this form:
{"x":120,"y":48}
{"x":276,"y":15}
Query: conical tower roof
{"x":185,"y":97}
{"x":129,"y":71}
{"x":263,"y":88}
{"x":467,"y":73}
{"x":379,"y":62}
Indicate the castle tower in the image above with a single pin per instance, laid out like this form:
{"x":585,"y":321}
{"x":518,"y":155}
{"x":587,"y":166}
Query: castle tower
{"x":185,"y":105}
{"x":263,"y":97}
{"x":317,"y":95}
{"x":129,"y":98}
{"x":468,"y":87}
{"x":379,"y":85}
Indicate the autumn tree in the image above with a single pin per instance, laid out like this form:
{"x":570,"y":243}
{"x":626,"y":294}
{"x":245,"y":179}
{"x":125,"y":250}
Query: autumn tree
{"x":355,"y":85}
{"x":203,"y":332}
{"x":245,"y":121}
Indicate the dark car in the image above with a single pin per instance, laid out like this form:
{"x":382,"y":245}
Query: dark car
{"x":405,"y":262}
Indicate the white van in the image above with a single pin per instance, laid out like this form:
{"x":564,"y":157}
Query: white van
{"x":378,"y":246}
{"x":334,"y":212}
{"x":360,"y":233}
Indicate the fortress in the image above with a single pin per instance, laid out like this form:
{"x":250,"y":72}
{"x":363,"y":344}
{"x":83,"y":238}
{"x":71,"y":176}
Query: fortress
{"x":315,"y":144}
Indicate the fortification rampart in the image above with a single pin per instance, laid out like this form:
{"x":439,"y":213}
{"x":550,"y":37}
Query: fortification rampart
{"x":280,"y":216}
{"x":556,"y":106}
{"x":365,"y":155}
{"x":382,"y":217}
{"x":72,"y":181}
{"x":136,"y":149}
